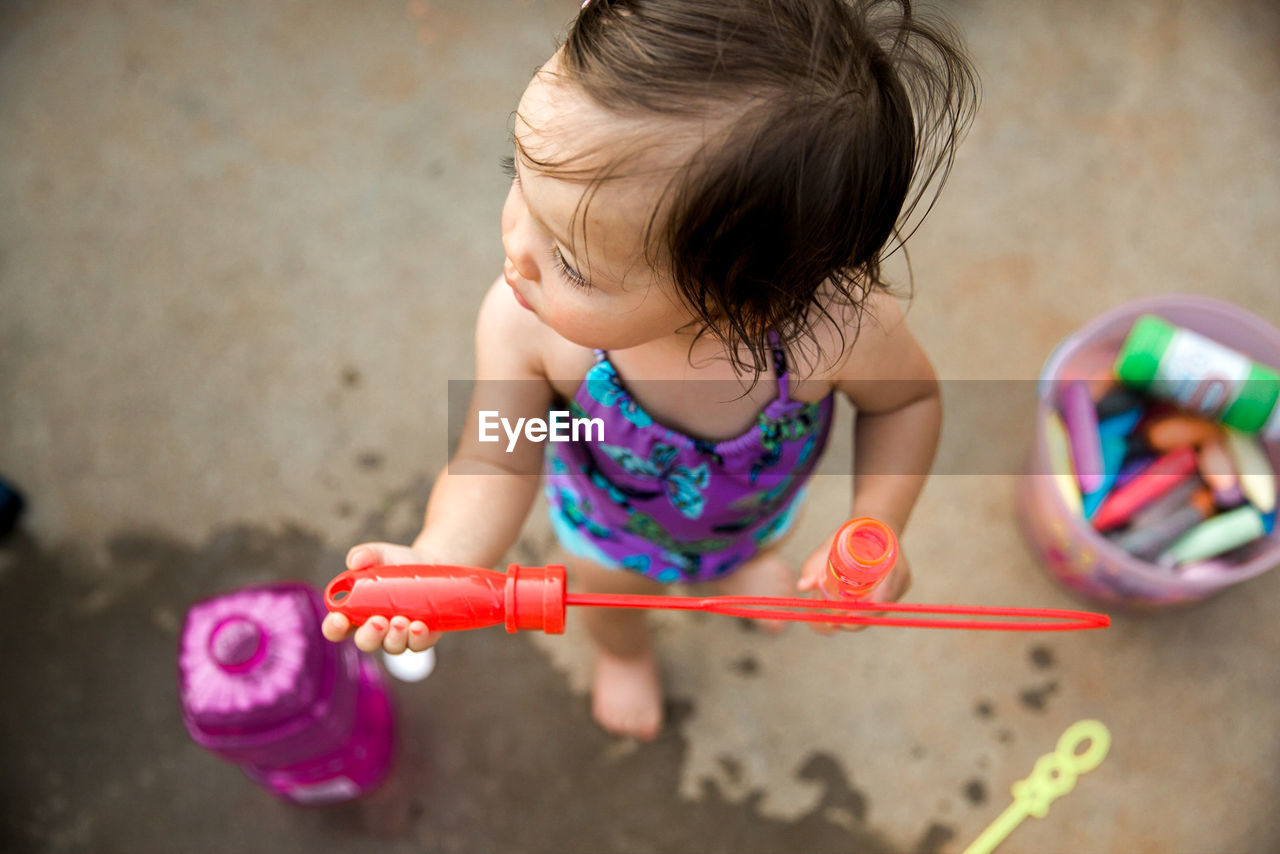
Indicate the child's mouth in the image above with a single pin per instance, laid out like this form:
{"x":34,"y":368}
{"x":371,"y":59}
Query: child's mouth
{"x":520,"y":300}
{"x":509,"y":275}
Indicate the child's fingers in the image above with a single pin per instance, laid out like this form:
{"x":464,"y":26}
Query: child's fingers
{"x":397,"y":639}
{"x":895,"y":586}
{"x":359,"y":557}
{"x":810,"y":574}
{"x":335,"y":627}
{"x":381,"y":554}
{"x":369,"y":636}
{"x":420,"y":639}
{"x":814,"y":565}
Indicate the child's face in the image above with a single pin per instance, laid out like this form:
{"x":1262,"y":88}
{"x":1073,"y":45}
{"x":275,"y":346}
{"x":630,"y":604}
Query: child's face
{"x":586,"y":276}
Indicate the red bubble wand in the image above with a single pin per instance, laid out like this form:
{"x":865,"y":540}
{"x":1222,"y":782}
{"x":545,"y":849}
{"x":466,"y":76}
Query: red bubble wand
{"x":455,"y":598}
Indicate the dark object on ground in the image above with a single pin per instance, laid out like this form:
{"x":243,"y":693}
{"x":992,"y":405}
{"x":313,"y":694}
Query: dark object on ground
{"x":11,"y":504}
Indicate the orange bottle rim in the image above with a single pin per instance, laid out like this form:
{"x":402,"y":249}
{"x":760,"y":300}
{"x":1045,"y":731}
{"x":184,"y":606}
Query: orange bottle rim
{"x":849,"y":530}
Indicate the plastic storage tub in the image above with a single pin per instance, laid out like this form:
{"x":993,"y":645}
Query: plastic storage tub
{"x":1077,"y":556}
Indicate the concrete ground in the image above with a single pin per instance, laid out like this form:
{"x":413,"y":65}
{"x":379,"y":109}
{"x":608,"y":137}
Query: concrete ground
{"x":241,"y":246}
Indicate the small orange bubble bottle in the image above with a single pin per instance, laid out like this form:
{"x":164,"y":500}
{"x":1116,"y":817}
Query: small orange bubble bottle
{"x":863,"y":553}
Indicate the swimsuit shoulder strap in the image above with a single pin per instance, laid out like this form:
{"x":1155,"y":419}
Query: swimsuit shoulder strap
{"x":780,"y":366}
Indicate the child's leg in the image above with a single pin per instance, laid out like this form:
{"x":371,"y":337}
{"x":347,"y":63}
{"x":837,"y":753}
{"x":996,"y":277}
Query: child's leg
{"x":626,"y":695}
{"x":766,"y":574}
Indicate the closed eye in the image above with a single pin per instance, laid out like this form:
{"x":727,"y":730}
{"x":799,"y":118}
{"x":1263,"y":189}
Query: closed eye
{"x":571,"y":275}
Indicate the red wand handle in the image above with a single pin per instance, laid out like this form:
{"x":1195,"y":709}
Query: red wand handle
{"x":453,"y":598}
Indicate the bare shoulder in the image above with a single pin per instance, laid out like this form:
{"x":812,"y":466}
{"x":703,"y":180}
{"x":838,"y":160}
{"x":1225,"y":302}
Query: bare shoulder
{"x":512,"y":343}
{"x":881,"y":345}
{"x":509,"y":339}
{"x":857,"y":351}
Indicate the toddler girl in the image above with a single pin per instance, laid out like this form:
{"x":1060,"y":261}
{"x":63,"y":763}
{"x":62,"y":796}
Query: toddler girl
{"x":702,"y":193}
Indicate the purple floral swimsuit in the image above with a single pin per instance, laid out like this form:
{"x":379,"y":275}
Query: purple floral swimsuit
{"x":672,"y":508}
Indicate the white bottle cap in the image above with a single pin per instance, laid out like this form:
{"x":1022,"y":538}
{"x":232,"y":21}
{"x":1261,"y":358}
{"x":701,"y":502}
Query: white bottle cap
{"x":410,"y":666}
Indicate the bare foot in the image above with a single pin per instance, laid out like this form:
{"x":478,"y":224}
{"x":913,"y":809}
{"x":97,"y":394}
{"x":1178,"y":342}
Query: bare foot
{"x":766,"y":574}
{"x":626,"y":696}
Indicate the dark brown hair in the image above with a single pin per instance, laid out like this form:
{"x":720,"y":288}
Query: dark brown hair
{"x":845,"y":112}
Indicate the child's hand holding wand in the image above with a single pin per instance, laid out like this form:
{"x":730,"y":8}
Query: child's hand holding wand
{"x":393,"y":633}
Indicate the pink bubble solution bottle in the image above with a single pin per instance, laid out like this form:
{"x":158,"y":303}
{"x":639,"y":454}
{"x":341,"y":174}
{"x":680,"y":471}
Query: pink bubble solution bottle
{"x":863,"y":553}
{"x":309,"y":720}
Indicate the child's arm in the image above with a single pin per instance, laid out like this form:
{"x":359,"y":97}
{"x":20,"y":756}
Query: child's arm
{"x":481,"y":498}
{"x":889,"y":379}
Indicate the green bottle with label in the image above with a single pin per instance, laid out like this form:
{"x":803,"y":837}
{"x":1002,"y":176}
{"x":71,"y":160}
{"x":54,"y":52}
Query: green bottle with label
{"x":1201,"y":376}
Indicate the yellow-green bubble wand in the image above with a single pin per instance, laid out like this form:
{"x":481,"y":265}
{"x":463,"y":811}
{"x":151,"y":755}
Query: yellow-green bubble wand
{"x":1052,"y":777}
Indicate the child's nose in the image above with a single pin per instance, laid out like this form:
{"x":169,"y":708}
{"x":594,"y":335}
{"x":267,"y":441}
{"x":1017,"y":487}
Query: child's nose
{"x":517,"y":235}
{"x":518,"y":245}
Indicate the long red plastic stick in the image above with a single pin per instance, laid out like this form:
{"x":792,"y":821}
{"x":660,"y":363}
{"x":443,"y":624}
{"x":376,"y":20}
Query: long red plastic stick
{"x":820,"y":611}
{"x":453,"y":598}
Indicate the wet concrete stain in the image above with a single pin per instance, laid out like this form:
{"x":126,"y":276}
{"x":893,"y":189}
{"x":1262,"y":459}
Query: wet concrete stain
{"x":747,"y":665}
{"x":1037,"y":698}
{"x":975,"y":792}
{"x":350,"y":377}
{"x":1042,"y":657}
{"x":732,"y":768}
{"x":370,"y":460}
{"x":935,"y":836}
{"x":985,"y":709}
{"x":494,"y":753}
{"x":838,"y":794}
{"x":1004,"y":735}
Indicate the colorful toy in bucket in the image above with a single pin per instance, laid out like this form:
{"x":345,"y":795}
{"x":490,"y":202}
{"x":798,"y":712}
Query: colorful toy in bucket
{"x":1175,"y":522}
{"x":260,"y":687}
{"x":1201,"y":375}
